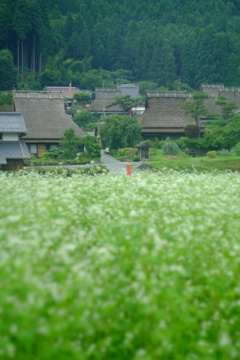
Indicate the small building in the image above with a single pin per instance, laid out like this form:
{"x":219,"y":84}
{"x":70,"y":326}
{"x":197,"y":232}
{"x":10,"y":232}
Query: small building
{"x":143,"y":150}
{"x":13,"y":150}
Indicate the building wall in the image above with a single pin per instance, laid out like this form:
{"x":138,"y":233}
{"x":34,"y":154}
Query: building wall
{"x":10,"y":137}
{"x":12,"y":165}
{"x":41,"y":149}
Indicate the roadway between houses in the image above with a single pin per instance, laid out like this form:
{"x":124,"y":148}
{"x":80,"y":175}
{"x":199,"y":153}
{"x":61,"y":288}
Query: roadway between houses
{"x":114,"y":165}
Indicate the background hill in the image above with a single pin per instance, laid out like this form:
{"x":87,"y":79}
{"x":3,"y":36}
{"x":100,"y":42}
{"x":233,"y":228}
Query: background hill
{"x":102,"y":42}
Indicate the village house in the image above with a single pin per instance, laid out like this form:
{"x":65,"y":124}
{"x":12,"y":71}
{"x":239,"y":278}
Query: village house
{"x":45,"y":119}
{"x":163,"y":117}
{"x":106,"y":96}
{"x":232,"y":95}
{"x":13,"y":150}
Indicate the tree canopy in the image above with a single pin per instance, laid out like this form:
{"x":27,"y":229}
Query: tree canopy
{"x":120,"y":131}
{"x":159,"y":42}
{"x":8,"y":72}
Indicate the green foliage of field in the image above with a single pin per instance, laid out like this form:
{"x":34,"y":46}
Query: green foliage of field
{"x":200,"y":164}
{"x":117,"y":267}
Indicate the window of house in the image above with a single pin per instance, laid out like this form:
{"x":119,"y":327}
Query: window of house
{"x":32,"y":148}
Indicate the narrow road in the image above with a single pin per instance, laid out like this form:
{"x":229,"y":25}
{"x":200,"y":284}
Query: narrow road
{"x":114,"y":165}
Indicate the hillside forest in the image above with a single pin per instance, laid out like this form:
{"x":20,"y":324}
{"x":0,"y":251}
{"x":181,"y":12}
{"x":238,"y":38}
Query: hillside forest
{"x":93,"y":43}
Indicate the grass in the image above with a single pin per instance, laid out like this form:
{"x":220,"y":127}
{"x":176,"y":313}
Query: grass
{"x":201,"y":164}
{"x":116,"y":267}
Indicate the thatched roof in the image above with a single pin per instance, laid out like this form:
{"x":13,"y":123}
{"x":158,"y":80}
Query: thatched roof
{"x":104,"y":97}
{"x":232,"y":94}
{"x":67,"y":91}
{"x":45,"y":119}
{"x":163,"y":112}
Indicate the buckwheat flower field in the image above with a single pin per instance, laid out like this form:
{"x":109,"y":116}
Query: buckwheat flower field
{"x":114,"y":267}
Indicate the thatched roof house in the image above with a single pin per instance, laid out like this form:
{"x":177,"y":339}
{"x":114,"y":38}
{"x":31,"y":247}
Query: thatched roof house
{"x":104,"y":97}
{"x":163,"y":117}
{"x":45,"y":119}
{"x":232,"y":94}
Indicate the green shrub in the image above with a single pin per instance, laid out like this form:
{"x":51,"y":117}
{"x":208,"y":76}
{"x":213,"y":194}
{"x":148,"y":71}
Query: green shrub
{"x":136,"y":158}
{"x":224,"y":152}
{"x":211,"y":154}
{"x":185,"y":142}
{"x":169,"y":147}
{"x":236,"y":149}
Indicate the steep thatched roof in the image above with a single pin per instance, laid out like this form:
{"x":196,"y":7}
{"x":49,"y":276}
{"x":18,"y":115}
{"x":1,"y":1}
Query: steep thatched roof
{"x":232,"y":94}
{"x":104,"y":97}
{"x":45,"y":119}
{"x":163,"y":112}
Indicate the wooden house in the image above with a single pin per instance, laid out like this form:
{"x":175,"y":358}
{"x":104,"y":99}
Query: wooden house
{"x":104,"y":97}
{"x":45,"y":119}
{"x":163,"y":117}
{"x":13,"y":149}
{"x":232,"y":95}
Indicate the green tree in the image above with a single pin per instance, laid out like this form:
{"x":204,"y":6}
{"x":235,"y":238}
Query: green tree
{"x":8,"y":72}
{"x":223,"y":137}
{"x":195,"y":108}
{"x":227,"y":108}
{"x":145,"y":86}
{"x":82,"y":98}
{"x":71,"y":144}
{"x":120,"y":131}
{"x":83,"y":118}
{"x":92,"y":147}
{"x":124,"y":101}
{"x":169,"y":147}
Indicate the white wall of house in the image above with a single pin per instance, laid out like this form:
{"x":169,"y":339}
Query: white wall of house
{"x":10,"y":137}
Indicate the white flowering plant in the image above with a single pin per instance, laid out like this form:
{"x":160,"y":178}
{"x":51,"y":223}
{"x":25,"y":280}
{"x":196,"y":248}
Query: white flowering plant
{"x":118,"y":267}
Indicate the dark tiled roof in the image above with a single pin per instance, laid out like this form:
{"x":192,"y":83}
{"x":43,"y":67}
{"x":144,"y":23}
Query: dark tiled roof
{"x":12,"y":150}
{"x":45,"y":119}
{"x":3,"y":159}
{"x":12,"y":122}
{"x":129,"y":89}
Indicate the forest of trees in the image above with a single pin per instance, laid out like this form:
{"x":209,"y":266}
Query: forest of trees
{"x":103,"y":42}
